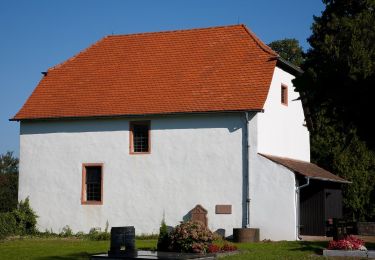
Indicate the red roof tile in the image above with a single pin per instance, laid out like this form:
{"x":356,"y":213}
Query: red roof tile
{"x":200,"y":70}
{"x":305,"y":168}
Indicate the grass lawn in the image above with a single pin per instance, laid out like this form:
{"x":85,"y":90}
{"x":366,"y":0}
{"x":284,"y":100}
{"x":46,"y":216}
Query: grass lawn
{"x":59,"y":248}
{"x":280,"y":250}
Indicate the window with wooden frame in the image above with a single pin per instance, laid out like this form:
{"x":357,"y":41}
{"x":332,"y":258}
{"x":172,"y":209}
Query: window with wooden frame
{"x":139,"y":137}
{"x":284,"y":95}
{"x":92,"y":184}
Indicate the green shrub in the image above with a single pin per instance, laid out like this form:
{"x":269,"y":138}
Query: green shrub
{"x":8,"y":224}
{"x":147,"y":236}
{"x":80,"y":234}
{"x":25,"y":218}
{"x":66,"y":232}
{"x":46,"y":234}
{"x":97,"y":235}
{"x":20,"y":221}
{"x":163,"y":239}
{"x":190,"y":237}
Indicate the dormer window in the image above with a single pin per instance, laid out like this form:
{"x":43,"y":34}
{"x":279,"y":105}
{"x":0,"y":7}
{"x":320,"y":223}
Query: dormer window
{"x":284,"y":95}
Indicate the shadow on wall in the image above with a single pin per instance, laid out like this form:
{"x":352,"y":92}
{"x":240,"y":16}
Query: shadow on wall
{"x":232,"y":122}
{"x":187,"y":217}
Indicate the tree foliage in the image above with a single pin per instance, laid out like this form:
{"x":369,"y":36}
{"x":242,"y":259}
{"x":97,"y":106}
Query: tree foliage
{"x":288,"y":49}
{"x":340,"y":66}
{"x":337,"y":87}
{"x":8,"y":163}
{"x":8,"y":182}
{"x":339,"y":149}
{"x":163,"y":239}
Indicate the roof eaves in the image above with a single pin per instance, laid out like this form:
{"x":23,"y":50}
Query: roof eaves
{"x":326,"y":179}
{"x":284,"y":64}
{"x":135,"y":115}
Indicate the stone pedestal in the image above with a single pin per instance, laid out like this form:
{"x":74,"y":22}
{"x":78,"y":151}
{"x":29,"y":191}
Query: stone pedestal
{"x":199,"y":214}
{"x":122,"y":241}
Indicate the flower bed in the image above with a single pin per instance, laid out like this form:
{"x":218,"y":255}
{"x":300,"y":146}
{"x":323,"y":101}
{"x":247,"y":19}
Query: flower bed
{"x":227,"y":247}
{"x":350,"y":246}
{"x":348,"y":243}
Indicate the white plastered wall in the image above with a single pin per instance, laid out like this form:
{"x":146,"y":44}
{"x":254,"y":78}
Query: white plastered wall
{"x":281,"y":129}
{"x":272,"y":193}
{"x":193,"y":160}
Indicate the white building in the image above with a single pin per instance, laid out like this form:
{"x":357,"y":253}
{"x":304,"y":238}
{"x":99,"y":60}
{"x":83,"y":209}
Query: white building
{"x":137,"y":127}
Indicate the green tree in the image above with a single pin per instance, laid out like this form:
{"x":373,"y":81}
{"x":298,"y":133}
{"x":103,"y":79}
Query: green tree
{"x":8,"y":182}
{"x":337,"y":87}
{"x":340,"y":66}
{"x":288,"y":49}
{"x":8,"y":163}
{"x":163,"y":239}
{"x":339,"y":149}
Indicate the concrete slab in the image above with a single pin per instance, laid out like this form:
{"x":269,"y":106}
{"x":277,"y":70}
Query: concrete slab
{"x":371,"y":254}
{"x":345,"y":253}
{"x":156,"y":255}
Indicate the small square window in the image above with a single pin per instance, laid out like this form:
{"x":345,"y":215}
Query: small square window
{"x":139,"y":137}
{"x":284,"y":95}
{"x":92,"y":184}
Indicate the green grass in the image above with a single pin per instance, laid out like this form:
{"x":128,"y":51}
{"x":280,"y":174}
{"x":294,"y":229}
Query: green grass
{"x":284,"y":250}
{"x":60,"y":248}
{"x":279,"y":250}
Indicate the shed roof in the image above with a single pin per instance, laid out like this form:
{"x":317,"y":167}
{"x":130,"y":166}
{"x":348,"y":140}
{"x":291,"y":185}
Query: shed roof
{"x":306,"y":169}
{"x":198,"y":70}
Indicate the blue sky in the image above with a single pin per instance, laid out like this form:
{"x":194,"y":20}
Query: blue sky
{"x":38,"y":34}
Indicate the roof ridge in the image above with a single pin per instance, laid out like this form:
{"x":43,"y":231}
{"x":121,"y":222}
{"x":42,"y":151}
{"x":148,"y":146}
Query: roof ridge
{"x":76,"y":55}
{"x":179,"y":30}
{"x":259,"y":42}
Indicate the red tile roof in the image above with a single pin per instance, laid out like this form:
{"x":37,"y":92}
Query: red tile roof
{"x":305,"y":168}
{"x":199,"y":70}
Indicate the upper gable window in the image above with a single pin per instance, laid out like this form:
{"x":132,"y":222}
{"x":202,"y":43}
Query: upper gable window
{"x":139,"y":137}
{"x":284,"y":95}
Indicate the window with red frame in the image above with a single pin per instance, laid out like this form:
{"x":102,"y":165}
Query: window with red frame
{"x":92,"y":184}
{"x":284,"y":95}
{"x":139,"y":137}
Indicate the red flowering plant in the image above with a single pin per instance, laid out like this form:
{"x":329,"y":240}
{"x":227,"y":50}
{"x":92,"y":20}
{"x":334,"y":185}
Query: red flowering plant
{"x":190,"y":237}
{"x":212,"y":248}
{"x":227,"y":247}
{"x":348,"y":243}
